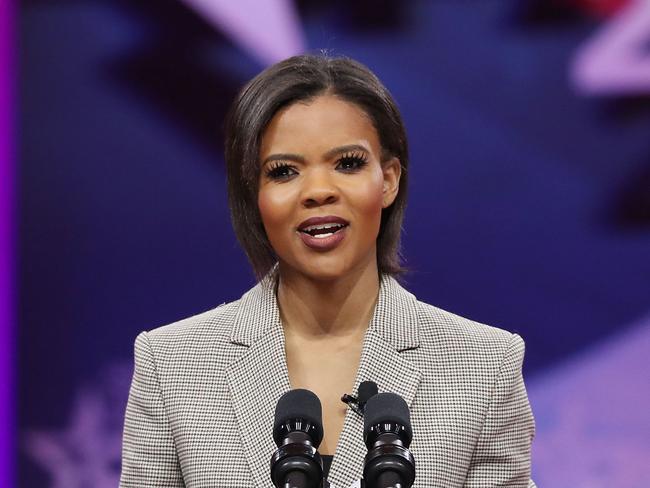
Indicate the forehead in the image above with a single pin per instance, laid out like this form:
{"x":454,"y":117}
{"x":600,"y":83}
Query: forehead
{"x":318,"y":125}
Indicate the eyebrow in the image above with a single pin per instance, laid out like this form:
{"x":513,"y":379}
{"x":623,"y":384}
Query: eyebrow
{"x":328,"y":155}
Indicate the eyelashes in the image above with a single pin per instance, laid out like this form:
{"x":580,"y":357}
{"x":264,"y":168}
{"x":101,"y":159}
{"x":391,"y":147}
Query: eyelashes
{"x":350,"y":162}
{"x":279,"y":170}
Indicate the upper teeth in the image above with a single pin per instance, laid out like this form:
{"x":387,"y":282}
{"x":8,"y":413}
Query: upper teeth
{"x":321,"y":227}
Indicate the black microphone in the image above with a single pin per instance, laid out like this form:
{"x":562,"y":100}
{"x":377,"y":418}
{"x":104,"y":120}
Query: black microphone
{"x":298,"y":431}
{"x":387,"y":434}
{"x":366,"y":390}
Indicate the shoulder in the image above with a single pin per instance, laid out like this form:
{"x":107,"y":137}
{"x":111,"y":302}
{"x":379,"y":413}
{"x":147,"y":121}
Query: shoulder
{"x":189,"y":335}
{"x":434,"y":320}
{"x":216,"y":335}
{"x":463,"y":339}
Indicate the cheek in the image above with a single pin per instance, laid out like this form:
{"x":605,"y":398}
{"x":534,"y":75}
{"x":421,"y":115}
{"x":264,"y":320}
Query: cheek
{"x":274,"y":207}
{"x":369,"y":197}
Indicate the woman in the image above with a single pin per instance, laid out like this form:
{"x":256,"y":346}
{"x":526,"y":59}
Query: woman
{"x":317,"y":167}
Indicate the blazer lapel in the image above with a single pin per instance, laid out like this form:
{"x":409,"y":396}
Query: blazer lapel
{"x":259,"y":377}
{"x":393,"y":329}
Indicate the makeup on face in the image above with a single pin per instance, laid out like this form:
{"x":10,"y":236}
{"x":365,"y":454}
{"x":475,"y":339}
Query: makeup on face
{"x":323,"y":233}
{"x":321,"y":186}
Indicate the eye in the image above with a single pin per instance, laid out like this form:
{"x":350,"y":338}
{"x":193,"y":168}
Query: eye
{"x":351,"y":162}
{"x":280,"y":171}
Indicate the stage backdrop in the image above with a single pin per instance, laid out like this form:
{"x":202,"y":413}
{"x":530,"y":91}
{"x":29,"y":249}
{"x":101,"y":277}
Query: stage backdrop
{"x":529,"y":124}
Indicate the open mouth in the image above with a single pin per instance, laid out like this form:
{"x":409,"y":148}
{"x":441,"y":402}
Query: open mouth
{"x":323,"y":230}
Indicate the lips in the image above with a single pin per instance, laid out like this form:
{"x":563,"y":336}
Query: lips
{"x":323,"y":233}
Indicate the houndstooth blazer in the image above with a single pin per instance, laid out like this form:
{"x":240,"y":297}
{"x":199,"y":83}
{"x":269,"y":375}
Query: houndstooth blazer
{"x":204,"y":390}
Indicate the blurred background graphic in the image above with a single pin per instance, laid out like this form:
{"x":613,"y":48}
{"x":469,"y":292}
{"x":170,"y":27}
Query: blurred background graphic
{"x":529,"y":209}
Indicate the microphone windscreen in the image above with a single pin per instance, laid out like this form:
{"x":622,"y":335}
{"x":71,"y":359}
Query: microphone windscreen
{"x":299,"y":404}
{"x":388,"y":407}
{"x":367,"y":390}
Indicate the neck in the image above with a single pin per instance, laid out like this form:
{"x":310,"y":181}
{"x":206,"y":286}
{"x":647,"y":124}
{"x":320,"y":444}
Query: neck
{"x":334,"y":308}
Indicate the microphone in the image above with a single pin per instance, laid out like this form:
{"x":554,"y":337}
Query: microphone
{"x":297,"y":431}
{"x":387,"y":434}
{"x":367,"y":389}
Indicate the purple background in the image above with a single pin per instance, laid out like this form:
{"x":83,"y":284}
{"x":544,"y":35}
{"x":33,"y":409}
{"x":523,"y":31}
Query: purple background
{"x":529,"y":205}
{"x":7,"y":297}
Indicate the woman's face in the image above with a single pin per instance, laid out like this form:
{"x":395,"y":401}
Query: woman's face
{"x":323,"y":186}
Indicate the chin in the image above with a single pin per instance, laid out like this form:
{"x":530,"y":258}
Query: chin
{"x":325,"y":271}
{"x":330,"y":267}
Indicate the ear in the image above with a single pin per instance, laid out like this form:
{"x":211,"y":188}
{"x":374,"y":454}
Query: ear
{"x":392,"y":170}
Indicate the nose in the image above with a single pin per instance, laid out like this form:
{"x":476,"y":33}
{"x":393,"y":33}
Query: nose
{"x":319,"y":189}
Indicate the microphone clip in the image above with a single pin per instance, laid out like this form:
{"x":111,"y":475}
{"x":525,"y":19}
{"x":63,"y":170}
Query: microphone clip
{"x":353,"y":402}
{"x":367,"y":389}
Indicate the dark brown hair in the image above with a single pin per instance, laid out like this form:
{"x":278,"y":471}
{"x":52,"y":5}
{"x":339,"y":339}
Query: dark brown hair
{"x":301,"y":78}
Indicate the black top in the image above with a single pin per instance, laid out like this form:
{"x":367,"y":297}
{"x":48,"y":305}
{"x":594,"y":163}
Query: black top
{"x":327,"y":463}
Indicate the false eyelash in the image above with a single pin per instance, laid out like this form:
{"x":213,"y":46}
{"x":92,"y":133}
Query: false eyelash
{"x":276,"y":169}
{"x":358,"y":157}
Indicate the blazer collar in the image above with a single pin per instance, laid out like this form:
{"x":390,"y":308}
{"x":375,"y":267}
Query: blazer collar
{"x":394,"y":318}
{"x":259,"y":376}
{"x":258,"y":312}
